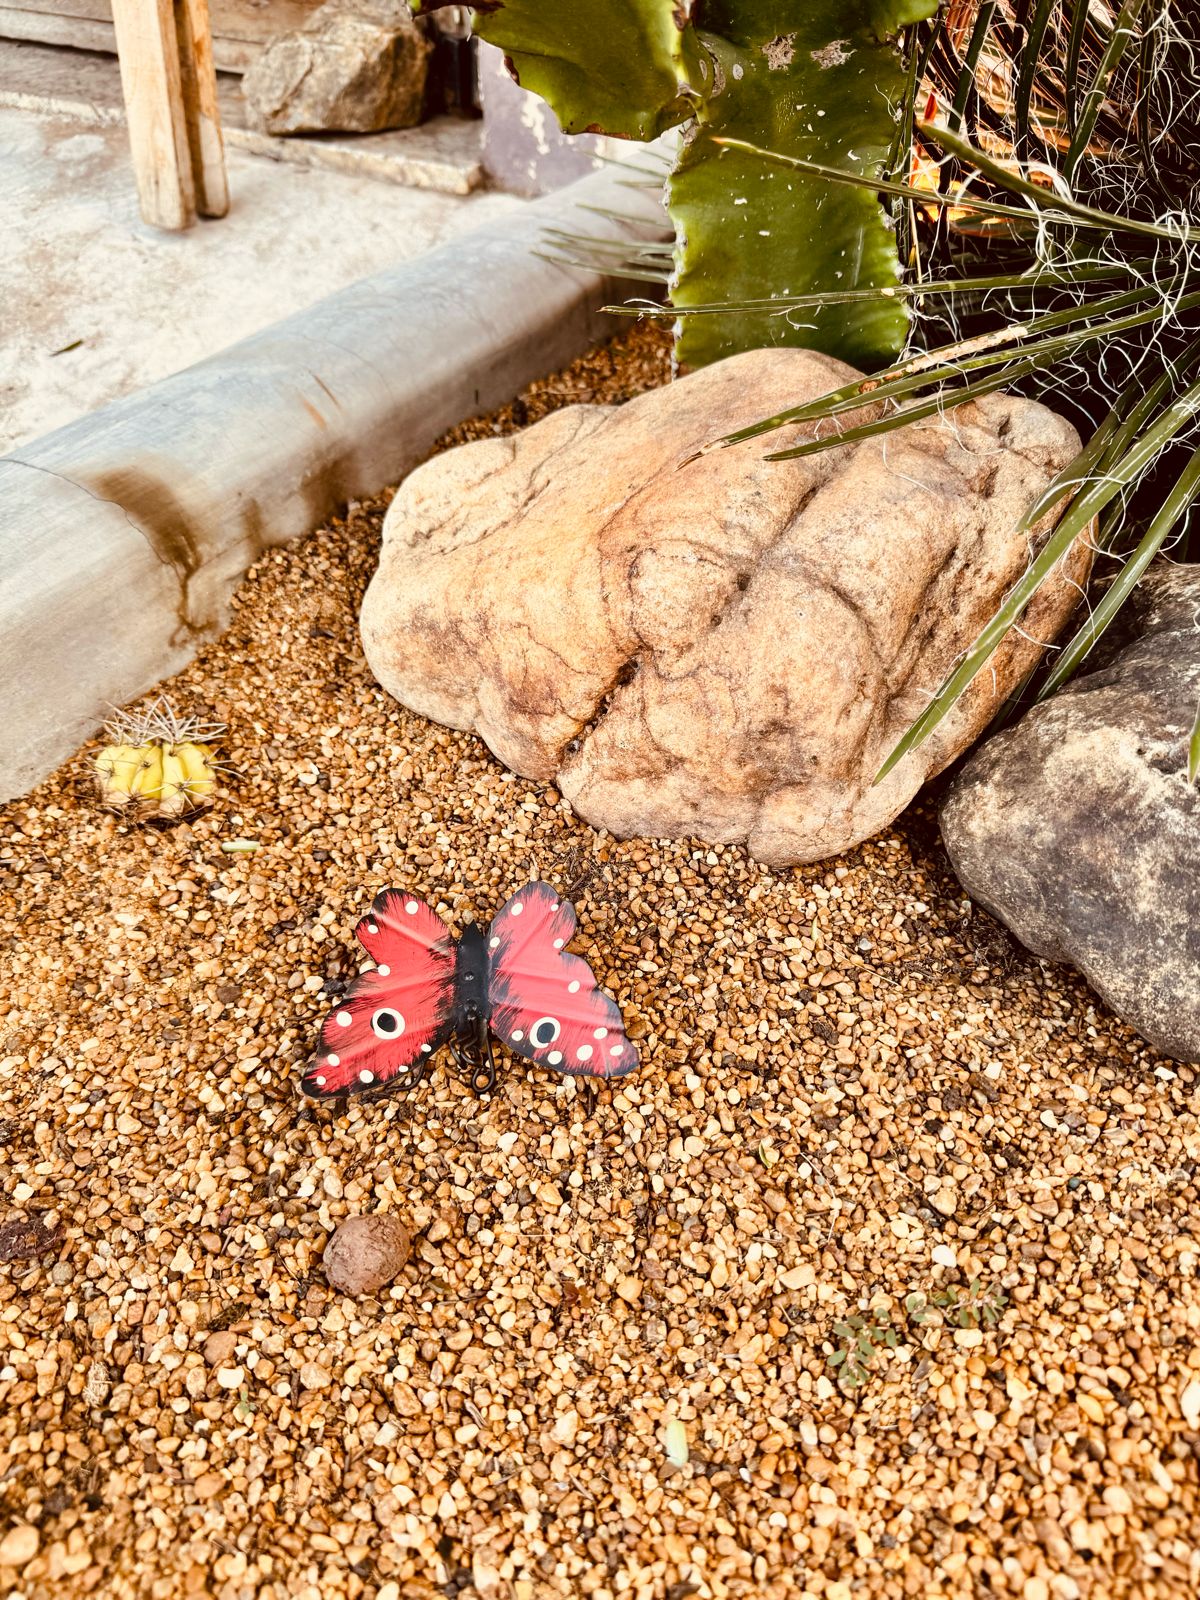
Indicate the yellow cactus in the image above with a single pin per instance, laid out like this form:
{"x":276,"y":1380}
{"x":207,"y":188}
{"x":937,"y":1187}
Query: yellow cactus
{"x":159,"y":764}
{"x":115,"y":769}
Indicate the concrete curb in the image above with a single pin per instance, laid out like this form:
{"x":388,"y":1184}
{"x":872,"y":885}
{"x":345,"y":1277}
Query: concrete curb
{"x":124,"y":534}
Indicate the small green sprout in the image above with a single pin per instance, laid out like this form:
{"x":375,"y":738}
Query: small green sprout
{"x":979,"y":1305}
{"x":860,"y":1338}
{"x":917,"y":1307}
{"x":860,"y":1341}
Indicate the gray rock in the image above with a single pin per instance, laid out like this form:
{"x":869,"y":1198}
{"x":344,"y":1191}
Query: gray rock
{"x":1078,"y":827}
{"x":358,"y":66}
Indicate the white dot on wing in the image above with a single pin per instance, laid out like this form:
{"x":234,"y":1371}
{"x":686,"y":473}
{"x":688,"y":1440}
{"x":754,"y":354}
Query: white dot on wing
{"x":372,"y":927}
{"x":412,"y":908}
{"x":517,"y":909}
{"x":616,"y":1050}
{"x":344,"y":1019}
{"x":493,"y":943}
{"x":584,"y":1052}
{"x":320,"y":1082}
{"x":518,"y":1036}
{"x":573,"y":986}
{"x":333,"y":1061}
{"x":554,"y":1057}
{"x":558,"y":943}
{"x":554,"y":907}
{"x":366,"y":1077}
{"x":600,"y":1033}
{"x":426,"y":1049}
{"x":384,"y":972}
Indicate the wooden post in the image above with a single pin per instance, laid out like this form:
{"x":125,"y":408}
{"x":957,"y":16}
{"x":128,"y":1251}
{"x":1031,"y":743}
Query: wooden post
{"x":199,"y":80}
{"x":167,"y":78}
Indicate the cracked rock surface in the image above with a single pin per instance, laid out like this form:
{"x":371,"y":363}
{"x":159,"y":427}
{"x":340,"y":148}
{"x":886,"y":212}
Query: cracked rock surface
{"x":724,"y":648}
{"x":1080,"y":830}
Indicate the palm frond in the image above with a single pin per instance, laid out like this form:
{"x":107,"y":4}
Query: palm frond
{"x":1087,"y":504}
{"x":1173,"y":508}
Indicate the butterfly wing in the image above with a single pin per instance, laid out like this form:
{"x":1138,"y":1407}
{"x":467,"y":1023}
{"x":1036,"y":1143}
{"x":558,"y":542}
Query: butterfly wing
{"x":544,"y":1003}
{"x":393,"y":1017}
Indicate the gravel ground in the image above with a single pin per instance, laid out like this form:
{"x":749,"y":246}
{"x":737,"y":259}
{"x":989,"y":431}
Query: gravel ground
{"x":855,"y":1090}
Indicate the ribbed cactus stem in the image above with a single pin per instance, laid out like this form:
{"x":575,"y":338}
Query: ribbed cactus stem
{"x":159,"y":764}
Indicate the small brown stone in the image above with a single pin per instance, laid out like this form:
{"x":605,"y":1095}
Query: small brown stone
{"x":366,"y":1253}
{"x":358,"y":66}
{"x":218,"y":1347}
{"x":1118,"y":1499}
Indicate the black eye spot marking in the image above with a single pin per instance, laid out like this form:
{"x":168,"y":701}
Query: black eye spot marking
{"x":544,"y":1031}
{"x":387,"y":1024}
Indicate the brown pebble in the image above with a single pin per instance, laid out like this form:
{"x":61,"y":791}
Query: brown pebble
{"x":218,"y":1347}
{"x":366,"y":1253}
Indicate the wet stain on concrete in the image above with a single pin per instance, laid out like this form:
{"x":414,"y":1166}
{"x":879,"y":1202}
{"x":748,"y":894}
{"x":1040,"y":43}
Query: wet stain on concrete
{"x":162,"y":519}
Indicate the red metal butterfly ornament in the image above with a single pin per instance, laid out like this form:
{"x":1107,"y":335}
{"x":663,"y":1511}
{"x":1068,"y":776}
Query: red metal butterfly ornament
{"x":517,"y":981}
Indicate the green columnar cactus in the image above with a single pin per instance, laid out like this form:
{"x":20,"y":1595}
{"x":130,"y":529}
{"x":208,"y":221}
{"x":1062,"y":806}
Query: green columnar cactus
{"x":817,"y":79}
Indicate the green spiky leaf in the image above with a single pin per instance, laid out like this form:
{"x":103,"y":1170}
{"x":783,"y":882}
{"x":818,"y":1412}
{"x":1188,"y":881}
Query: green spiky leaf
{"x":1087,"y":504}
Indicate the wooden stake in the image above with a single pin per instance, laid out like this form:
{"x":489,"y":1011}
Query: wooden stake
{"x":165,"y":51}
{"x":199,"y":80}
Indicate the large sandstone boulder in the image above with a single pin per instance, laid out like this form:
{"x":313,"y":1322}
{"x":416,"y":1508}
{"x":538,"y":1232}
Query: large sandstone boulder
{"x":1079,"y":828}
{"x":726,"y":647}
{"x":357,"y":66}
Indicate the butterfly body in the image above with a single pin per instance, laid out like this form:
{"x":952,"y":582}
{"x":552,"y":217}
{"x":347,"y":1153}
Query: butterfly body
{"x":515,"y":981}
{"x":471,"y":976}
{"x":471,"y":1042}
